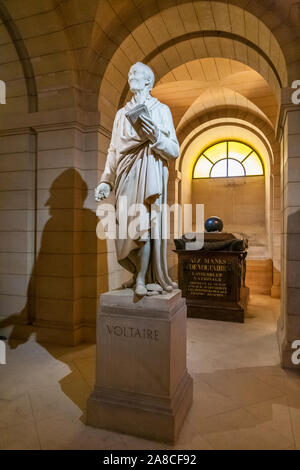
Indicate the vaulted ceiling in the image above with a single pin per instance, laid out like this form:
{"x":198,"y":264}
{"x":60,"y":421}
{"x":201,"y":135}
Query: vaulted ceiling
{"x":207,"y":55}
{"x":201,"y":85}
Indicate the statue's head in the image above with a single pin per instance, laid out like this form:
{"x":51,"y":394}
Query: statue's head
{"x":140,"y":76}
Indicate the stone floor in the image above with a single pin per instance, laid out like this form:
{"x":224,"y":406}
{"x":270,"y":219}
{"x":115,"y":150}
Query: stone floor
{"x":242,"y":398}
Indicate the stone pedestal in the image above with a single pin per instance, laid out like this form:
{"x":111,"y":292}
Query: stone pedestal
{"x":142,"y":384}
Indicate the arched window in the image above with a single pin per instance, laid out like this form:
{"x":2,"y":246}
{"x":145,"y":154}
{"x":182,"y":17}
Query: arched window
{"x":227,"y":159}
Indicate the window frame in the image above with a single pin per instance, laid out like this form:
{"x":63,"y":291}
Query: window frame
{"x":227,"y":141}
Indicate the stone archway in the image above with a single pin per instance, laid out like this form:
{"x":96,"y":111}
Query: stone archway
{"x":206,"y":130}
{"x":132,"y":21}
{"x":186,"y":40}
{"x":265,"y":45}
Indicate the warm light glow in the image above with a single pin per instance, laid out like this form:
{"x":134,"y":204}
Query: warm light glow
{"x":238,"y":150}
{"x":253,"y":165}
{"x":202,"y":168}
{"x":228,"y":159}
{"x":235,"y":168}
{"x":216,"y":152}
{"x":219,"y":169}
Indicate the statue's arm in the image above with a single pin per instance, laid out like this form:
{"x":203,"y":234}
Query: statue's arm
{"x":109,"y":174}
{"x":167,"y":144}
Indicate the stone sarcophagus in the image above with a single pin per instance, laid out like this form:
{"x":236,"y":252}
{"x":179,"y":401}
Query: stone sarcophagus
{"x":212,"y":278}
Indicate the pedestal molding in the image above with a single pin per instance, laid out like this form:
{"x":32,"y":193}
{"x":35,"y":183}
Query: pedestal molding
{"x":142,"y":400}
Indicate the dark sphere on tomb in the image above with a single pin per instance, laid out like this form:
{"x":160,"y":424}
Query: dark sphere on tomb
{"x":213,"y":224}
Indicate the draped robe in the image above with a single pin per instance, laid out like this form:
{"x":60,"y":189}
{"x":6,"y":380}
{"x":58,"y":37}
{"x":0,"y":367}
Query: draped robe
{"x":138,"y":169}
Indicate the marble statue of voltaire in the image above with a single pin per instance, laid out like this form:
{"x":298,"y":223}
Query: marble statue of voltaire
{"x":137,"y":167}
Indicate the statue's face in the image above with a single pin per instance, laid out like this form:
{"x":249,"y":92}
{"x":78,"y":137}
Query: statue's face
{"x":136,"y":78}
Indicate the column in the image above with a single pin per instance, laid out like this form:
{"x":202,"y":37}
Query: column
{"x":289,"y":322}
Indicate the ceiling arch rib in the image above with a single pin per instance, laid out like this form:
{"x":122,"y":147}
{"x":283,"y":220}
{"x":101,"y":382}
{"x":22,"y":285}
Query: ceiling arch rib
{"x":226,"y":117}
{"x":107,"y":23}
{"x":219,"y":98}
{"x":226,"y":113}
{"x":255,"y":46}
{"x":114,"y":91}
{"x":23,"y":57}
{"x":273,"y":31}
{"x":226,"y":45}
{"x":185,"y":85}
{"x":191,"y":49}
{"x":50,"y":34}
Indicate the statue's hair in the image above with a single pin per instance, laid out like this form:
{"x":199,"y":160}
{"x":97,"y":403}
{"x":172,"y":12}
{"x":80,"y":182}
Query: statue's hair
{"x":149,"y":75}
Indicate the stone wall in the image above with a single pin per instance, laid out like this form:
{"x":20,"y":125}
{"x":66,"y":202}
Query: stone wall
{"x":289,"y":322}
{"x":240,"y":202}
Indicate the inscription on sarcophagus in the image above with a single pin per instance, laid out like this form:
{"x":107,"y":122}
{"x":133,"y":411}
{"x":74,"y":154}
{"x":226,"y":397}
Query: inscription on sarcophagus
{"x":212,"y":279}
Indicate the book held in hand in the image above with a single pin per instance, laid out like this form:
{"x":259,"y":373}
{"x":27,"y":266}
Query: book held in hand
{"x":134,"y":115}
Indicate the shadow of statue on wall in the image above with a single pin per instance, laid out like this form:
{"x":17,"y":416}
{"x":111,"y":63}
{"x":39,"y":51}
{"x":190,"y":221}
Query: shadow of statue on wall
{"x":64,"y":283}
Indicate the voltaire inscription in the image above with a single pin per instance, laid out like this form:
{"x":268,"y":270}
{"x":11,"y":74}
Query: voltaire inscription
{"x":207,"y":276}
{"x":133,"y":332}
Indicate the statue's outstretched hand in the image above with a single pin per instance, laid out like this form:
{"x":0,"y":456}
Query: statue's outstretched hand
{"x":102,"y":191}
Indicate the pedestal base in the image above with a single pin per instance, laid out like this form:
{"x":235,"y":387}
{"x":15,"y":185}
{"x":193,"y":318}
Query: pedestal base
{"x":142,"y":384}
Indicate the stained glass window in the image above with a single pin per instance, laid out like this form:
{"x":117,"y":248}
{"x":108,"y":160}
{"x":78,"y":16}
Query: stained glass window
{"x":228,"y":159}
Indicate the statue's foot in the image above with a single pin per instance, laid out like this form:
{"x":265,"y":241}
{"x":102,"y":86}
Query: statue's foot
{"x":154,"y":287}
{"x":128,"y":284}
{"x":150,"y":293}
{"x":140,"y":290}
{"x":174,"y":285}
{"x":168,"y":288}
{"x":163,"y":285}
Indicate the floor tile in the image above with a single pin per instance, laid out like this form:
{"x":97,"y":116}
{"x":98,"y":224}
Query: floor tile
{"x":16,"y":411}
{"x":208,"y":402}
{"x":243,"y":399}
{"x":239,"y":430}
{"x":18,"y":437}
{"x":51,"y":401}
{"x":276,"y":414}
{"x":244,"y":388}
{"x":66,"y":432}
